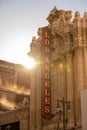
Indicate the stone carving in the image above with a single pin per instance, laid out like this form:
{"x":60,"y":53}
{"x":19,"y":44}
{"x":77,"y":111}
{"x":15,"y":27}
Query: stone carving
{"x":85,"y":15}
{"x":58,"y":19}
{"x":36,"y":44}
{"x":34,"y":40}
{"x":68,"y":16}
{"x":39,"y":32}
{"x":33,"y":45}
{"x":77,"y":15}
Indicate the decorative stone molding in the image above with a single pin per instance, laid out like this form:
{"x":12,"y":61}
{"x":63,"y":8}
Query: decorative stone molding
{"x":58,"y":19}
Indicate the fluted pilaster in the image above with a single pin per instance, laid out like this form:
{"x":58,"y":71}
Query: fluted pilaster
{"x":38,"y":98}
{"x":70,"y":93}
{"x":78,"y":82}
{"x":33,"y":100}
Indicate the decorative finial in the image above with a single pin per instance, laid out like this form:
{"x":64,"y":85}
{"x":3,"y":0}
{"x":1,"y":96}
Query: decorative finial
{"x":85,"y":15}
{"x":34,"y":40}
{"x":77,"y":15}
{"x":68,"y":16}
{"x":39,"y":31}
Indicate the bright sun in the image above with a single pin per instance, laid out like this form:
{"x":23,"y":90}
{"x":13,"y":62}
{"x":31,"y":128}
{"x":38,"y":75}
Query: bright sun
{"x":29,"y":62}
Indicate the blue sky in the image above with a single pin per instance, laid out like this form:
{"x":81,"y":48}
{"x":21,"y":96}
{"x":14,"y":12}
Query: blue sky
{"x":20,"y":20}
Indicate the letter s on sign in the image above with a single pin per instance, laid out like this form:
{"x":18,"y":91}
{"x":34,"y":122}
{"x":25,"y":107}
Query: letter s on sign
{"x":47,"y":109}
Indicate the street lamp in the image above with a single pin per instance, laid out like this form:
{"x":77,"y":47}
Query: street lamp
{"x":65,"y":106}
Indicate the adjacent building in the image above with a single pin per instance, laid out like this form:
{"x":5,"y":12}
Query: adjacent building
{"x":14,"y":96}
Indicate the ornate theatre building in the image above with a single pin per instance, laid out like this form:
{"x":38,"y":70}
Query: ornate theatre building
{"x":61,"y":71}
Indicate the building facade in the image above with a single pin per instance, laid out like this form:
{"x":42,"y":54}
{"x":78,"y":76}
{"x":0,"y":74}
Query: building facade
{"x":14,"y":96}
{"x":61,"y":71}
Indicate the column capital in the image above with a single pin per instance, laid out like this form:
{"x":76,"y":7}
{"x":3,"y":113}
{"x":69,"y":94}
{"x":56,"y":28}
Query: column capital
{"x":77,"y":49}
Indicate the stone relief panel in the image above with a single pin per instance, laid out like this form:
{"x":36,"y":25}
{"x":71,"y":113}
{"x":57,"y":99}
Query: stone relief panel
{"x":57,"y":46}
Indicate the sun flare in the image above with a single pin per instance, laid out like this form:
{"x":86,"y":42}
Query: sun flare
{"x":29,"y":62}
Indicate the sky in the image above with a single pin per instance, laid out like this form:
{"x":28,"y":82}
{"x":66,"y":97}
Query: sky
{"x":20,"y":20}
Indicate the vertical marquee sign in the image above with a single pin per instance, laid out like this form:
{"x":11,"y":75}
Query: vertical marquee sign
{"x":46,"y":110}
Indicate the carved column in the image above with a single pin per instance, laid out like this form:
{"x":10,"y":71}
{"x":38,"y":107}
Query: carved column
{"x":33,"y":100}
{"x":54,"y":89}
{"x":84,"y":51}
{"x":78,"y":82}
{"x":69,"y":77}
{"x":78,"y":65}
{"x":38,"y":97}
